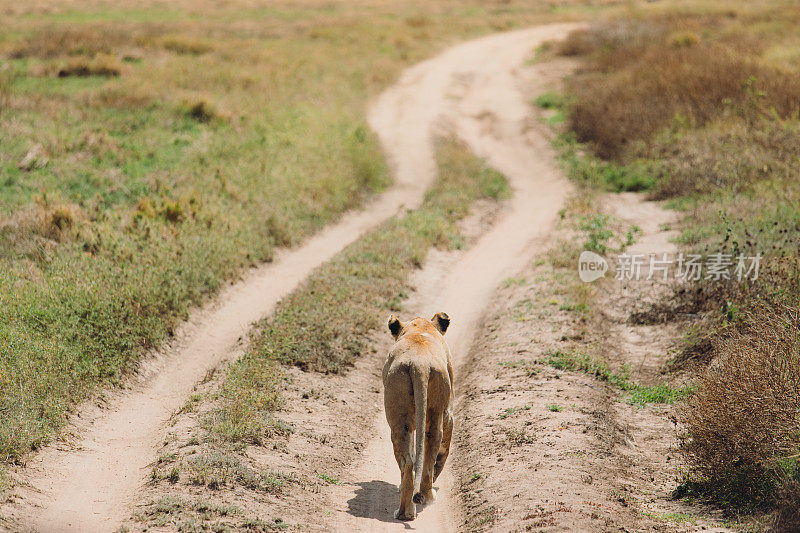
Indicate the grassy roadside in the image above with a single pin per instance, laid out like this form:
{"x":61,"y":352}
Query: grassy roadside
{"x":697,"y":105}
{"x":323,"y":326}
{"x":152,"y":152}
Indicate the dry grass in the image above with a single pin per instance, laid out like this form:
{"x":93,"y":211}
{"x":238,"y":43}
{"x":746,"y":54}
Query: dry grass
{"x":35,"y":231}
{"x":7,"y":76}
{"x":742,"y":427}
{"x":183,"y":44}
{"x":731,"y":155}
{"x":646,"y":76}
{"x":56,"y":42}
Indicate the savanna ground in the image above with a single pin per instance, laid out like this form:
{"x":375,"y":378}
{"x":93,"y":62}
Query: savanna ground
{"x":151,"y":152}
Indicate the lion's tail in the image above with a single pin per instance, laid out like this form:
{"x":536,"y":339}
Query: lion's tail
{"x":419,"y":380}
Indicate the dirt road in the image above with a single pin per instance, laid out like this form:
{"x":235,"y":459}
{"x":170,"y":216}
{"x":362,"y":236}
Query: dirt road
{"x":486,"y":108}
{"x":89,"y":484}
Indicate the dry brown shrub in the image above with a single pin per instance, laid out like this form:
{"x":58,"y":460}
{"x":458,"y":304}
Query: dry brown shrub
{"x":731,"y":155}
{"x":183,"y":44}
{"x":608,"y":35}
{"x":639,"y":84}
{"x":743,"y":426}
{"x":101,"y":65}
{"x":51,"y":42}
{"x":55,"y":220}
{"x":33,"y":232}
{"x":418,"y":21}
{"x":577,"y":43}
{"x":200,"y":109}
{"x":611,"y":112}
{"x":683,"y":38}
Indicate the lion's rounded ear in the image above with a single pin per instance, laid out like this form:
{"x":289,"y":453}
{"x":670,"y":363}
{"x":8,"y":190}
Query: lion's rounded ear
{"x":441,"y":321}
{"x":395,"y":325}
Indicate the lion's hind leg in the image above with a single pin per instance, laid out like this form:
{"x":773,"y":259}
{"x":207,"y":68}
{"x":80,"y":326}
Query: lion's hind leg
{"x":401,"y":440}
{"x":433,"y":440}
{"x":444,"y":447}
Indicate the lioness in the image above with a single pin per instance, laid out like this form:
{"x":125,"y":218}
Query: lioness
{"x":418,"y":395}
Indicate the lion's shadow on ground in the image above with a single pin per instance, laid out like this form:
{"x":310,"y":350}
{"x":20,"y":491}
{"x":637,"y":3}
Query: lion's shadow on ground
{"x":378,"y":500}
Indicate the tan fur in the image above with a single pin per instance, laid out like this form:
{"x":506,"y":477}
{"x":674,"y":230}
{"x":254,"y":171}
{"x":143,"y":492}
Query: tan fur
{"x":418,"y":395}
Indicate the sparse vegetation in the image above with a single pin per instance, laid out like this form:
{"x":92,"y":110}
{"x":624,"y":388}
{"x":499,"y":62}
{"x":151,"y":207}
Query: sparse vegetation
{"x":511,"y":411}
{"x":218,"y":469}
{"x":579,"y":362}
{"x":597,"y":233}
{"x":330,"y":479}
{"x":519,"y":437}
{"x":485,"y":518}
{"x":526,"y":365}
{"x":198,"y":515}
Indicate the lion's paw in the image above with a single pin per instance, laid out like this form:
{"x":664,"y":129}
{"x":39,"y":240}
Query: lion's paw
{"x":406,"y":516}
{"x":426,"y":497}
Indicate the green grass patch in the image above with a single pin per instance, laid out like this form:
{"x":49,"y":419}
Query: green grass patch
{"x":637,"y":394}
{"x":595,"y":228}
{"x":550,"y":100}
{"x":642,"y":394}
{"x":587,"y":169}
{"x":587,"y":364}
